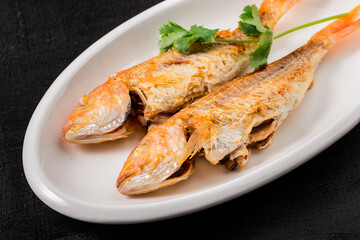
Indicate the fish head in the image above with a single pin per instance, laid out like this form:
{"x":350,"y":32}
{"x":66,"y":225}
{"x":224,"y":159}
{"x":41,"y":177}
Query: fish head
{"x":100,"y":114}
{"x":157,"y":161}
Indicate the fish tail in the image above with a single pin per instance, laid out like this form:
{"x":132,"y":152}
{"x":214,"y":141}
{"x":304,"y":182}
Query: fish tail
{"x":340,"y":28}
{"x":271,"y":11}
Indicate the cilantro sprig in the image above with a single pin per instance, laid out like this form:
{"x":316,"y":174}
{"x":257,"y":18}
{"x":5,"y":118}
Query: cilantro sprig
{"x":251,"y":25}
{"x":175,"y":36}
{"x":250,"y":21}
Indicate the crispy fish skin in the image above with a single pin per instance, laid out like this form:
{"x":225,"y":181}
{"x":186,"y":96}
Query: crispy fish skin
{"x":261,"y":97}
{"x":165,"y":83}
{"x":241,"y":114}
{"x":170,"y":80}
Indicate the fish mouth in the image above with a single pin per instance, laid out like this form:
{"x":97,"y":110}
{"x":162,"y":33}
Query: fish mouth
{"x":129,"y":186}
{"x":99,"y":132}
{"x":124,"y":130}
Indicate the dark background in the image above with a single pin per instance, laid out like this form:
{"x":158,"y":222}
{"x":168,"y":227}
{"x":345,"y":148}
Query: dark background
{"x":38,"y":39}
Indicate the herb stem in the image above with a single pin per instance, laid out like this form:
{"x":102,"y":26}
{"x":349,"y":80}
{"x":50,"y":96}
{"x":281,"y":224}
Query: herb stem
{"x":235,"y":41}
{"x":288,"y":31}
{"x":311,"y":24}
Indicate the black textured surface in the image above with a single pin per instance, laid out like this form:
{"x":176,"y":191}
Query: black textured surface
{"x":38,"y":39}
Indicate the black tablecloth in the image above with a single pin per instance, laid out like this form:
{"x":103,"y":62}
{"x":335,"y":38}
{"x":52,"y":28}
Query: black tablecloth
{"x":319,"y":200}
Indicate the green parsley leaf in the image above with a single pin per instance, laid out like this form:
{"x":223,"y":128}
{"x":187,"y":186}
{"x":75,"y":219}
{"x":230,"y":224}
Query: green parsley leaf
{"x":174,"y":36}
{"x":182,"y":45}
{"x":171,"y":27}
{"x":251,"y":24}
{"x":249,"y":30}
{"x":166,"y":43}
{"x":258,"y":58}
{"x":206,"y":35}
{"x":170,"y":33}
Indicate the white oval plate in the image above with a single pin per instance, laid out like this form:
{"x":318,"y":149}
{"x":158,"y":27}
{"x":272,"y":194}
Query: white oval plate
{"x":79,"y":181}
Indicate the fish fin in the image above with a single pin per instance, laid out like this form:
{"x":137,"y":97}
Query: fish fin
{"x":340,"y":28}
{"x":271,"y":11}
{"x":197,"y":140}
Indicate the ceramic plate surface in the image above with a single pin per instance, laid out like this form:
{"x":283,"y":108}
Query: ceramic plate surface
{"x":79,"y":181}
